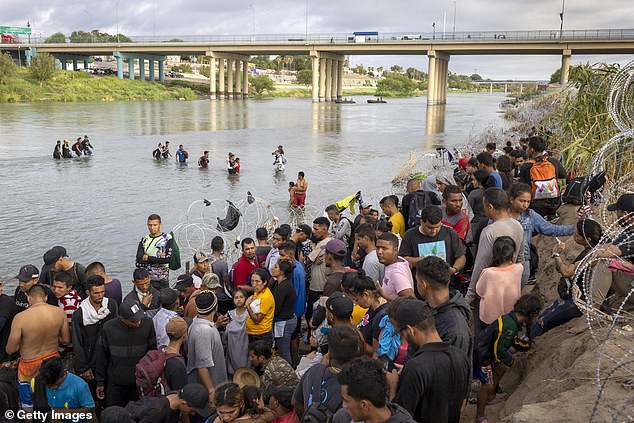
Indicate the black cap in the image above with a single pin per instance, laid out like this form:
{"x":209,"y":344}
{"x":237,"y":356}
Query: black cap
{"x":131,"y":310}
{"x":412,"y":312}
{"x":183,"y":282}
{"x":54,"y":254}
{"x":168,"y":297}
{"x":206,"y":302}
{"x":625,"y":203}
{"x":28,"y":273}
{"x":197,"y":397}
{"x":340,"y":305}
{"x":305,"y":229}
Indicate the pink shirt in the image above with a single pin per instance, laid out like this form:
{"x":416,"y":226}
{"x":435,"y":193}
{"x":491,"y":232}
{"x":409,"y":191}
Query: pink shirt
{"x":398,"y":277}
{"x":499,"y":288}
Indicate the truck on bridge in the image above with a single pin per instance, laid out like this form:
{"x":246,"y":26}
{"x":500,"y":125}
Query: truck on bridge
{"x":363,"y":36}
{"x":8,"y":39}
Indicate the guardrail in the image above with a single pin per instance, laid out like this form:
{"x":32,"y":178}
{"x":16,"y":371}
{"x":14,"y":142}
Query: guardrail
{"x":411,"y":36}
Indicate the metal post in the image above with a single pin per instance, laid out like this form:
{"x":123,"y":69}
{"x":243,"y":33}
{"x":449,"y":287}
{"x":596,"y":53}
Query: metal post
{"x":253,"y":23}
{"x":116,"y":9}
{"x":454,"y":19}
{"x":561,"y":16}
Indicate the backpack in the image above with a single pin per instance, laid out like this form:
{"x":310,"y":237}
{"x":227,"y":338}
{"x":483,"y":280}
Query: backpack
{"x":149,"y":373}
{"x":544,"y":179}
{"x":575,"y":191}
{"x":318,"y":412}
{"x":420,"y":200}
{"x":138,"y":409}
{"x":175,"y":262}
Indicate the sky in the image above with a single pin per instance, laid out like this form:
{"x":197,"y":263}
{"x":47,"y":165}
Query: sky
{"x":214,"y":17}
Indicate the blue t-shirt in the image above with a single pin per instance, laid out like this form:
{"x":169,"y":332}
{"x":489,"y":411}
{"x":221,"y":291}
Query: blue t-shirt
{"x":299,"y":280}
{"x":498,"y":179}
{"x":72,"y":393}
{"x":180,"y":155}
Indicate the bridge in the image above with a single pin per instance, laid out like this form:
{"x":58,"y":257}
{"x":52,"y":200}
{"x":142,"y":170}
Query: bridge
{"x":229,"y":55}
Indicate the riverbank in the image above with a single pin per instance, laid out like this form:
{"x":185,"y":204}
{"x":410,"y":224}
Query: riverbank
{"x":80,"y":86}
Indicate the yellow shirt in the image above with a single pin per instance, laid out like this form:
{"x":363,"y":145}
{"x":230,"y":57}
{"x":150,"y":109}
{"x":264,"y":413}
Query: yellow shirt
{"x":267,"y":307}
{"x":398,"y":224}
{"x":357,"y":314}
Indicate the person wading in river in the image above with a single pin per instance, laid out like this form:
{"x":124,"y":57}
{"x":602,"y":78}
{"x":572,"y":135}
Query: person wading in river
{"x":301,"y":186}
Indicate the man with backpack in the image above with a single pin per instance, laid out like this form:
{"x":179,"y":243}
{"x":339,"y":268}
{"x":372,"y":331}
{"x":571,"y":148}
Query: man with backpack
{"x":172,"y":407}
{"x":164,"y":370}
{"x":414,"y":201}
{"x":154,"y":252}
{"x":542,"y":173}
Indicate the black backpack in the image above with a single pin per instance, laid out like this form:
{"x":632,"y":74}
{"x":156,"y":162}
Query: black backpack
{"x":420,"y":200}
{"x":138,"y":409}
{"x":318,"y":412}
{"x":575,"y":191}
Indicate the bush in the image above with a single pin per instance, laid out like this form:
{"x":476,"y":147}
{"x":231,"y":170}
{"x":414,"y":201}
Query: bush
{"x":305,"y":77}
{"x":57,"y":38}
{"x":42,"y":67}
{"x":261,"y":83}
{"x":7,"y":67}
{"x":396,"y":85}
{"x":183,"y":68}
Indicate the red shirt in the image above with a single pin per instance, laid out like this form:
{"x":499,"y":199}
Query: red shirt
{"x":242,"y":270}
{"x":458,"y":222}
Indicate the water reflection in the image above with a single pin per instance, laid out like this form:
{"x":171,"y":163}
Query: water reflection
{"x":326,"y":117}
{"x":228,"y":115}
{"x":434,"y":125}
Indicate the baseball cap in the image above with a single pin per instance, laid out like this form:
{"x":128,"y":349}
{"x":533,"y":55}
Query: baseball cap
{"x":412,"y":312}
{"x":54,"y":254}
{"x":463,"y":162}
{"x":365,"y":205}
{"x":27,"y":273}
{"x":625,"y":203}
{"x":197,"y":397}
{"x":183,"y":282}
{"x":130,"y":310}
{"x":211,"y":281}
{"x":340,"y":305}
{"x":206,"y":302}
{"x":336,"y":247}
{"x":168,"y":297}
{"x":176,"y":326}
{"x":200,"y":257}
{"x":305,"y":229}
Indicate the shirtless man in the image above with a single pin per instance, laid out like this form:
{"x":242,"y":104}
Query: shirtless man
{"x":301,"y":186}
{"x":36,"y":333}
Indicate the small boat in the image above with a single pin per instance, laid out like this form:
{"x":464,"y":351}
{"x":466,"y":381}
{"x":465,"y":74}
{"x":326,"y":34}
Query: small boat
{"x":377,"y":100}
{"x":346,"y":101}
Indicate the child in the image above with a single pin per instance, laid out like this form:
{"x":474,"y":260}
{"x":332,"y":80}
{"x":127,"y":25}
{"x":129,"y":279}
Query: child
{"x":236,"y":166}
{"x":495,"y":348}
{"x":291,"y":191}
{"x":237,"y":340}
{"x":500,"y":285}
{"x":231,"y":163}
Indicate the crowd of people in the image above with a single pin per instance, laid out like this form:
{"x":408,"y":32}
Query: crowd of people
{"x":389,"y":316}
{"x":81,"y":147}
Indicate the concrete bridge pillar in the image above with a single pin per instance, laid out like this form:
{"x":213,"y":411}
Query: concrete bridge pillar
{"x":322,"y":79}
{"x":161,"y":70}
{"x":328,"y":80}
{"x":238,"y":81}
{"x":64,"y":64}
{"x":521,"y":88}
{"x":437,"y":78}
{"x":131,"y":68}
{"x":315,"y":84}
{"x":85,"y":64}
{"x":333,"y":80}
{"x":506,"y":88}
{"x":119,"y":67}
{"x":245,"y":79}
{"x":565,"y":66}
{"x":230,"y":86}
{"x":151,"y":66}
{"x":491,"y":88}
{"x":75,"y":68}
{"x":221,"y":79}
{"x":142,"y":69}
{"x":340,"y":80}
{"x":212,"y":78}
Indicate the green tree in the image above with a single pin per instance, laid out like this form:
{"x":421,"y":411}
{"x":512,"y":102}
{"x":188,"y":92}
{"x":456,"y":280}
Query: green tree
{"x":175,"y":40}
{"x":263,"y":62}
{"x":476,"y":77}
{"x":555,"y":77}
{"x":360,"y":69}
{"x":397,"y":69}
{"x":395,"y":84}
{"x":305,"y":77}
{"x":204,"y":71}
{"x":7,"y":67}
{"x":57,"y":38}
{"x":42,"y":67}
{"x":121,"y":39}
{"x":261,"y":83}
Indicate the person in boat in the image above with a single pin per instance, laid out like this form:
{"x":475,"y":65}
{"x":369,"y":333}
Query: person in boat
{"x":66,"y":153}
{"x":77,"y":147}
{"x":158,"y":153}
{"x":166,"y":150}
{"x":57,"y":151}
{"x":86,"y":146}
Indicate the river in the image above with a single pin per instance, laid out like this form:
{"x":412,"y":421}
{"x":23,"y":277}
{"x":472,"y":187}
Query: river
{"x":96,"y":207}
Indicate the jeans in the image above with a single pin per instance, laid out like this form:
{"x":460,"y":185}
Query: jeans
{"x":557,"y":314}
{"x":267,"y":337}
{"x":283,"y":343}
{"x":120,"y":395}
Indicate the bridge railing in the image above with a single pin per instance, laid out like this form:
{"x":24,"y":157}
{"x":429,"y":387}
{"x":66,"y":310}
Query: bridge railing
{"x":396,"y":37}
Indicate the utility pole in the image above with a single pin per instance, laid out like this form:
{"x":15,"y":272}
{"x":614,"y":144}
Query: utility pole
{"x":116,"y":11}
{"x":28,"y":25}
{"x":561,"y":17}
{"x":92,"y":36}
{"x":454,"y":18}
{"x":306,"y":21}
{"x":253,"y":23}
{"x":444,"y":24}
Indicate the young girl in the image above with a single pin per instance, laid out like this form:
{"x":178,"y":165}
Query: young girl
{"x":291,"y":191}
{"x":500,"y":285}
{"x":231,"y":406}
{"x":237,"y":340}
{"x":236,"y":167}
{"x":231,"y":163}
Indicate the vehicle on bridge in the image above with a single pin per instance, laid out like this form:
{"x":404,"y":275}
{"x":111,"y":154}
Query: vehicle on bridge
{"x":364,"y":37}
{"x":8,"y":39}
{"x":413,"y":37}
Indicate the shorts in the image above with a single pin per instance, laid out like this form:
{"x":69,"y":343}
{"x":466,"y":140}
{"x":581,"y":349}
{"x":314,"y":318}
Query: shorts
{"x":27,"y":370}
{"x":299,"y":200}
{"x":485,"y":373}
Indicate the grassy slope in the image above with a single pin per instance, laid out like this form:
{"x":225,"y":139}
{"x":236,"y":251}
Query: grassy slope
{"x":80,"y":86}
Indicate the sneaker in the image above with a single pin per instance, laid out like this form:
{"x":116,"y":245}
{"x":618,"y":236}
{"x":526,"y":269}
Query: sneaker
{"x":532,"y":280}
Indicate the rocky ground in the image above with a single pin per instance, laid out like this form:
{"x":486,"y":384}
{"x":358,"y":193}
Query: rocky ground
{"x":556,"y":381}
